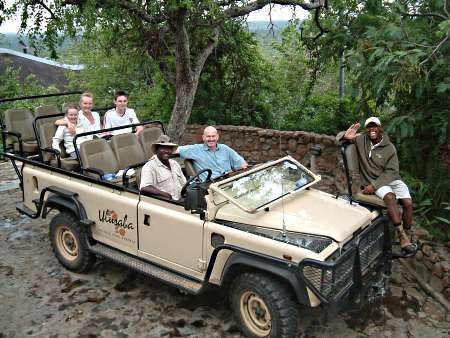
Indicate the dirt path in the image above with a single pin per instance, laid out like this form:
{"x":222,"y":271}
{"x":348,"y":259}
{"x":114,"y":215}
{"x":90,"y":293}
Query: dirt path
{"x":39,"y":298}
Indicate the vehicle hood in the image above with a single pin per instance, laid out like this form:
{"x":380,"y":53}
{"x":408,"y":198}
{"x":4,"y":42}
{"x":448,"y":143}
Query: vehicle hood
{"x":308,"y":211}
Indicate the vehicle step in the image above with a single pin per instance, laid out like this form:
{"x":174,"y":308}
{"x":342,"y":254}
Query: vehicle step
{"x":149,"y":269}
{"x":24,"y":210}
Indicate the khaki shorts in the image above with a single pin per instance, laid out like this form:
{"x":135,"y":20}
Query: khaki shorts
{"x":397,"y":187}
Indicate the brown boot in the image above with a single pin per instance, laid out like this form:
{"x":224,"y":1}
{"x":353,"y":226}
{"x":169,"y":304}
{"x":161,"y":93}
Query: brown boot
{"x":405,"y":243}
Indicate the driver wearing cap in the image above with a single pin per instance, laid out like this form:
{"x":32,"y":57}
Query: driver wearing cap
{"x":161,"y":175}
{"x":380,"y":175}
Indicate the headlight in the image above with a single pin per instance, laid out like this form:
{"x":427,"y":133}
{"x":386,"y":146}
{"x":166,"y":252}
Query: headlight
{"x":310,"y":242}
{"x":314,"y":243}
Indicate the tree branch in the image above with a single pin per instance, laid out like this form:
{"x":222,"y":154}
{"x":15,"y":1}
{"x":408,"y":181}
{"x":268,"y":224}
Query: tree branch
{"x":141,"y":13}
{"x":236,"y":11}
{"x":182,"y":46}
{"x":436,"y":15}
{"x":42,"y":4}
{"x":435,"y":50}
{"x":319,"y":24}
{"x":212,"y":43}
{"x":129,"y":6}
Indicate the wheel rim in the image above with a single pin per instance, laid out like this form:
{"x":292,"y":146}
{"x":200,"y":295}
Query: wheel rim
{"x":255,"y":313}
{"x":67,"y":243}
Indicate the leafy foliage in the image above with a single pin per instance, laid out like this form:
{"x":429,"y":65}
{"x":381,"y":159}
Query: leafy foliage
{"x":398,"y":56}
{"x":236,"y":84}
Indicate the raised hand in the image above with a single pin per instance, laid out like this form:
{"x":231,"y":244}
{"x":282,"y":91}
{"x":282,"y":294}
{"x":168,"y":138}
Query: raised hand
{"x":71,"y":127}
{"x":351,"y":132}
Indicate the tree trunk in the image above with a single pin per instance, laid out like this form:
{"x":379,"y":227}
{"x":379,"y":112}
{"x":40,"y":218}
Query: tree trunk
{"x":182,"y":108}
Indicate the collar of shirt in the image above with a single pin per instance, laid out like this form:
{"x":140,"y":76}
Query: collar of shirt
{"x":117,"y":113}
{"x":206,"y":148}
{"x":372,"y":147}
{"x":158,"y":162}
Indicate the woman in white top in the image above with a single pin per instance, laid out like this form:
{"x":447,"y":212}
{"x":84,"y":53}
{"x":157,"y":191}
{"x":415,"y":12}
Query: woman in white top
{"x":63,"y":133}
{"x":92,"y":119}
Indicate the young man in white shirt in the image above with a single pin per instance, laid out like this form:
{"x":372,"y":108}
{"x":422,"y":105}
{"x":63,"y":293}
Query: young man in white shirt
{"x":121,"y":115}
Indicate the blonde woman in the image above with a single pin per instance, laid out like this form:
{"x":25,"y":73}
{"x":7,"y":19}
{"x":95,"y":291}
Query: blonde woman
{"x":63,"y":132}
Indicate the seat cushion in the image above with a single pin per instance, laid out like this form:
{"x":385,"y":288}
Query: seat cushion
{"x":28,"y":147}
{"x":370,"y":199}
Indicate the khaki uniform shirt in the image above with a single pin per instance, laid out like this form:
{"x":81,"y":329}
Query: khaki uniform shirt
{"x":161,"y":177}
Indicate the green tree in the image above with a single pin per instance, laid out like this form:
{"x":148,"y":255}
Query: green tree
{"x":179,"y":35}
{"x":398,"y":56}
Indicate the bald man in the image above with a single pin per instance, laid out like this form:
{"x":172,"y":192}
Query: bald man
{"x":218,"y":157}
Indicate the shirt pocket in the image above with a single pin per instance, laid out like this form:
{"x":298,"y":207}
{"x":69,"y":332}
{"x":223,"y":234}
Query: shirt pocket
{"x":162,"y":177}
{"x":225,"y":164}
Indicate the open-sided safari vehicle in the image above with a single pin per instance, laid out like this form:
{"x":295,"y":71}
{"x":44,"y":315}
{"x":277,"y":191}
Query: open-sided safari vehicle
{"x":265,"y":234}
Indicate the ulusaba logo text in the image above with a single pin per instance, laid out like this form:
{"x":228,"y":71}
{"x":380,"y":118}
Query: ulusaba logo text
{"x":110,"y":216}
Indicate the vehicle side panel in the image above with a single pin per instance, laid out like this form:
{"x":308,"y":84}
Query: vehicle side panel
{"x":113,"y":211}
{"x":173,"y":236}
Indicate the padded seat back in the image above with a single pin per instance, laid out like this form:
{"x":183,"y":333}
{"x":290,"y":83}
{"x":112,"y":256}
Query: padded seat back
{"x":147,"y":137}
{"x":46,"y":130}
{"x":46,"y":110}
{"x":20,"y":120}
{"x":351,"y":156}
{"x":97,"y":153}
{"x":127,"y":149}
{"x":189,"y":167}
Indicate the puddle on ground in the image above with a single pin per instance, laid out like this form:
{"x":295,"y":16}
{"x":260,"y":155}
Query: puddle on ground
{"x":6,"y":224}
{"x":9,"y":223}
{"x":20,"y":234}
{"x":375,"y":312}
{"x":5,"y":186}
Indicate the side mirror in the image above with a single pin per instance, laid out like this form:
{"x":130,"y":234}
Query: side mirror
{"x":194,"y":199}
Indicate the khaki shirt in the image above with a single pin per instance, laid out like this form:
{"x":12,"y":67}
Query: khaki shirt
{"x":161,"y":177}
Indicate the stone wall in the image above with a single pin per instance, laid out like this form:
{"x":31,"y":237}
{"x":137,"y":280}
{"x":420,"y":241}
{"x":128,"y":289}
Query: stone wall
{"x":258,"y":145}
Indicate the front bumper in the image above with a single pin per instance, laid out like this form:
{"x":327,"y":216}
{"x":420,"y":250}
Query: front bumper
{"x":351,"y":270}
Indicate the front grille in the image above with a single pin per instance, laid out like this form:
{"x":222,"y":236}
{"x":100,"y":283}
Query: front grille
{"x":371,"y":247}
{"x":334,"y":277}
{"x":331,"y":280}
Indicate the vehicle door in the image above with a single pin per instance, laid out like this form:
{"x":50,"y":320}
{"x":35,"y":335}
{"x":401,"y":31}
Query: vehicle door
{"x":170,"y":235}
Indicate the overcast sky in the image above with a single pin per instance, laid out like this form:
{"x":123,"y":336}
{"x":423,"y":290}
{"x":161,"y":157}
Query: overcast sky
{"x":278,"y":13}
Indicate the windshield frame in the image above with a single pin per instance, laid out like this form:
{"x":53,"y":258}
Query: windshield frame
{"x":216,"y":187}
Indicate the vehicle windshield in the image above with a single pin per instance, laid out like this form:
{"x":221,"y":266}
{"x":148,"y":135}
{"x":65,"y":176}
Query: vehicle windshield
{"x":268,"y":184}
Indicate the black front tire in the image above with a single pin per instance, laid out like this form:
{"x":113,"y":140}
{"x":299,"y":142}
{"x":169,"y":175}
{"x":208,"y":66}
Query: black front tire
{"x":69,"y":243}
{"x":263,"y":306}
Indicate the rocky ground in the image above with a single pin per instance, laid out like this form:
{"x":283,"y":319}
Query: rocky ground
{"x":39,"y":298}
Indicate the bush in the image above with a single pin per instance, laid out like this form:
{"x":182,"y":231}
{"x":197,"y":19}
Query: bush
{"x":325,"y":114}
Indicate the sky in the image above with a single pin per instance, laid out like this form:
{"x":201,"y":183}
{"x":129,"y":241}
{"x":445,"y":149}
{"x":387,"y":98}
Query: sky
{"x":278,"y":13}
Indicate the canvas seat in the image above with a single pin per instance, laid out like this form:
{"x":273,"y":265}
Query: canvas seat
{"x":189,"y":167}
{"x":127,"y":149}
{"x":97,"y":158}
{"x":19,"y":121}
{"x":147,"y":137}
{"x":48,"y":109}
{"x":351,"y":156}
{"x":46,"y":129}
{"x":129,"y":153}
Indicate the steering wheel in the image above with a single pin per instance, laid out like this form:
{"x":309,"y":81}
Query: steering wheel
{"x":195,"y":178}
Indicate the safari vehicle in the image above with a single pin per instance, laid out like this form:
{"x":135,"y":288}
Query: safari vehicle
{"x":265,"y":234}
